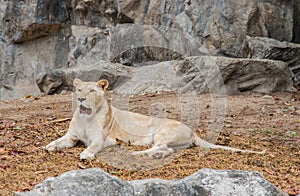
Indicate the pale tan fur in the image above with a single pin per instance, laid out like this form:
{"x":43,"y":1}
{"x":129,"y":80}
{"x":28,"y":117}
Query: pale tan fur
{"x":98,"y":125}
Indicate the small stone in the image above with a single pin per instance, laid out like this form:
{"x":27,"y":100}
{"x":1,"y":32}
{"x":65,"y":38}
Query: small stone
{"x":267,"y":97}
{"x":228,"y":125}
{"x":1,"y":143}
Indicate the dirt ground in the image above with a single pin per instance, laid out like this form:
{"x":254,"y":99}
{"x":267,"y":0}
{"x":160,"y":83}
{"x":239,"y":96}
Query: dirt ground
{"x":252,"y":121}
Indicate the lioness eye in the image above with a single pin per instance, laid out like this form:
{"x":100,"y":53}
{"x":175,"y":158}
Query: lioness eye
{"x":79,"y":90}
{"x":91,"y":91}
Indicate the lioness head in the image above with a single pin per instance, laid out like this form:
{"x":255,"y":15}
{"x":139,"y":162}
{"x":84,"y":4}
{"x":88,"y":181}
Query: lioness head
{"x":89,"y":95}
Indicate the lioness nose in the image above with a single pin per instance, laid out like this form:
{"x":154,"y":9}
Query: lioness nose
{"x":81,"y":99}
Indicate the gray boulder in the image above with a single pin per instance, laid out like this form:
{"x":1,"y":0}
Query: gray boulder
{"x":196,"y":74}
{"x":204,"y":182}
{"x":62,"y":79}
{"x":264,"y":76}
{"x":266,"y":48}
{"x":21,"y":64}
{"x":51,"y":83}
{"x":209,"y":73}
{"x":209,"y":182}
{"x":82,"y":182}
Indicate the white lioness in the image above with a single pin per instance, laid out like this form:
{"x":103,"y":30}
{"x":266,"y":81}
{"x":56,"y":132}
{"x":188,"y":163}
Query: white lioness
{"x":98,"y":125}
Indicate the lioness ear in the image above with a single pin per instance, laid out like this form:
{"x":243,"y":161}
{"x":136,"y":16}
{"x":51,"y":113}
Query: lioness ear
{"x":76,"y":82}
{"x":103,"y":84}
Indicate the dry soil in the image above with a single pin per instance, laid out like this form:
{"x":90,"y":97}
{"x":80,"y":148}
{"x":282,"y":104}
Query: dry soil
{"x":252,"y":121}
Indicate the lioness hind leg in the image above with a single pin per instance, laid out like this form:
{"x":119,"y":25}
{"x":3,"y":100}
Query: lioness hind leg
{"x":157,"y":151}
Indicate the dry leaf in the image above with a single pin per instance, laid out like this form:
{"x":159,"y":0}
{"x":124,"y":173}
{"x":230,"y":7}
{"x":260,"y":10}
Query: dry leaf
{"x":81,"y":166}
{"x":60,"y":120}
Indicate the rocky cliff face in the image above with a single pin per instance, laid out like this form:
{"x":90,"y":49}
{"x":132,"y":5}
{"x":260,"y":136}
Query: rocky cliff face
{"x":42,"y":38}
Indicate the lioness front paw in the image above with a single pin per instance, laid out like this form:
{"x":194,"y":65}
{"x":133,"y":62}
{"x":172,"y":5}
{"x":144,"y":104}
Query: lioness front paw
{"x":138,"y":153}
{"x":87,"y":155}
{"x":51,"y":146}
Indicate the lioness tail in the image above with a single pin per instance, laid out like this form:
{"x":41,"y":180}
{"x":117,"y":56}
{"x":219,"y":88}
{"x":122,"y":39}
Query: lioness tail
{"x":205,"y":144}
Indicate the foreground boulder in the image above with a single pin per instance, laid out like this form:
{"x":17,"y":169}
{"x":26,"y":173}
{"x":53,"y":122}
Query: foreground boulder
{"x":204,"y":182}
{"x":82,"y":182}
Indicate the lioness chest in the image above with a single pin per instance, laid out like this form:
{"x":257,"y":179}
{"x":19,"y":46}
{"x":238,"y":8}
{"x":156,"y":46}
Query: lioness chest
{"x":87,"y":132}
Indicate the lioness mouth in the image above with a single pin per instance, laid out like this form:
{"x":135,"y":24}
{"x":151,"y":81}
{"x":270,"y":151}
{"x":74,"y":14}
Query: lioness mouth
{"x":84,"y":110}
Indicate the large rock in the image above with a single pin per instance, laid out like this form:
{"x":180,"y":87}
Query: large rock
{"x":204,"y":182}
{"x":264,"y":76}
{"x":209,"y":182}
{"x":82,"y":182}
{"x":193,"y":74}
{"x":266,"y":48}
{"x":62,"y":79}
{"x":209,"y":73}
{"x":20,"y":64}
{"x":53,"y":82}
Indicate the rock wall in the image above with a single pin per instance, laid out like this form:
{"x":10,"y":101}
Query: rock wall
{"x":38,"y":37}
